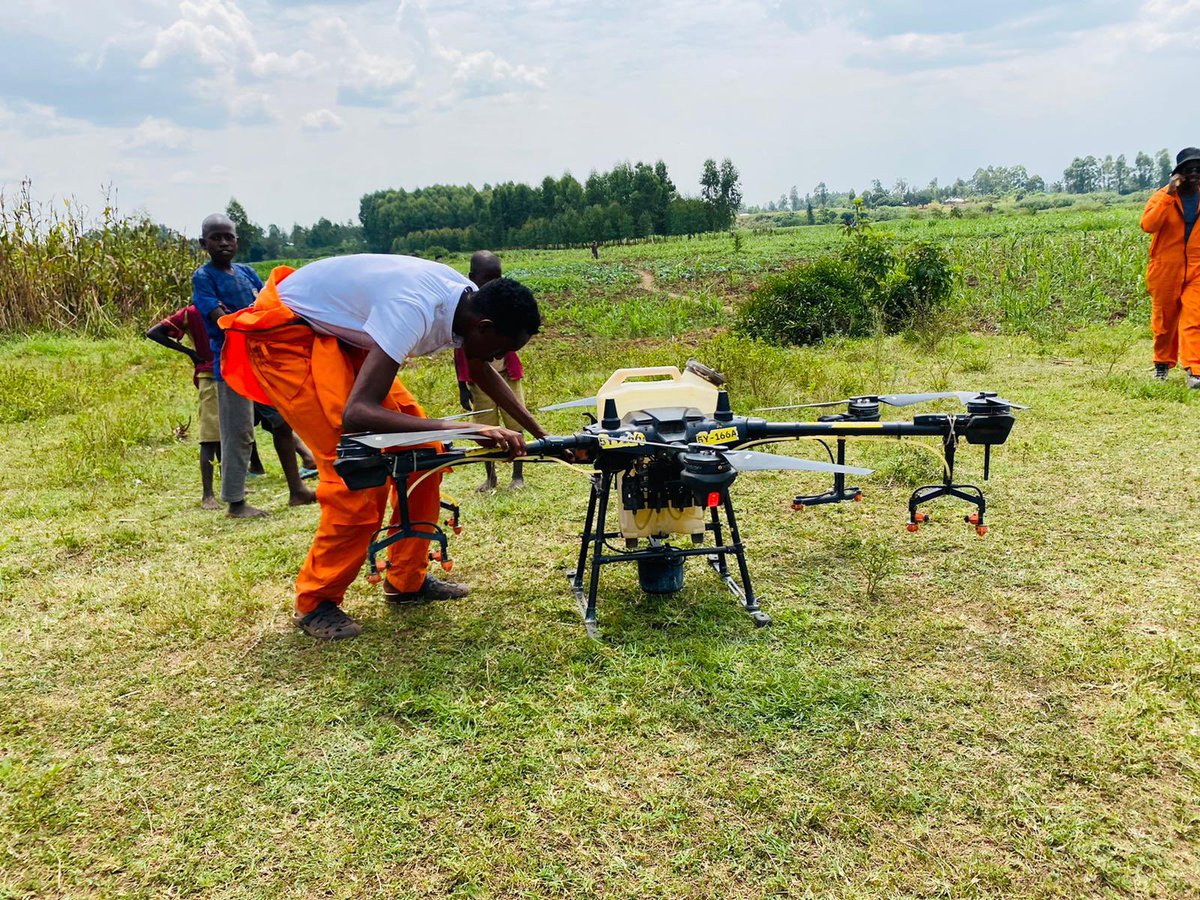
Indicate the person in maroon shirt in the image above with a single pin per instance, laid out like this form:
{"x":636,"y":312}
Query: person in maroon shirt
{"x":485,"y":267}
{"x":168,"y":332}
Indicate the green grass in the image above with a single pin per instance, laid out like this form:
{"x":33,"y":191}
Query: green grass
{"x":931,"y":714}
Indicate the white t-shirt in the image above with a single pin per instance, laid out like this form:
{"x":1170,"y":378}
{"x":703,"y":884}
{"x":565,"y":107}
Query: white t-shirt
{"x":404,"y":304}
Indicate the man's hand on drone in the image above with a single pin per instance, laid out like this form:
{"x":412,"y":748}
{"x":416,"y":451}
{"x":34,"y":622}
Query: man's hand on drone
{"x":511,"y":442}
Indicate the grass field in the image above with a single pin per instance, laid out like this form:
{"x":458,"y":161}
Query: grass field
{"x":931,"y":715}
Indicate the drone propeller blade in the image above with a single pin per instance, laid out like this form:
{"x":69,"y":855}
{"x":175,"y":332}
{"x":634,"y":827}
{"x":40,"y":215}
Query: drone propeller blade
{"x":900,"y":400}
{"x":466,"y":415}
{"x":802,"y":406}
{"x":890,"y":399}
{"x":413,"y":438}
{"x":570,"y":404}
{"x":753,"y":461}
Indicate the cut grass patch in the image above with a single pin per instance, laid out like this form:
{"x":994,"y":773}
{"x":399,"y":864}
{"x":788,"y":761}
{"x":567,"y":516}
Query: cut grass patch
{"x":931,"y":715}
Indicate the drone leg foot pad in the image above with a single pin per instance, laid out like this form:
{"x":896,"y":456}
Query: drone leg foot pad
{"x":760,"y":618}
{"x":575,"y":580}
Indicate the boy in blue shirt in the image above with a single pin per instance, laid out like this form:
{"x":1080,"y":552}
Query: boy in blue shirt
{"x":219,"y":287}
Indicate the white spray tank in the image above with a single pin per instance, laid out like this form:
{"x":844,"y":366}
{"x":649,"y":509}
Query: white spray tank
{"x":694,"y":388}
{"x":671,"y":388}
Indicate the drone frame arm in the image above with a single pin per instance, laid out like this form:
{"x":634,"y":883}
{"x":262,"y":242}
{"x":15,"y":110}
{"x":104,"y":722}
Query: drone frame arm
{"x":406,"y":462}
{"x":924,"y":426}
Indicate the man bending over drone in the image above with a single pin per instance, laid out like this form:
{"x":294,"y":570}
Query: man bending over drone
{"x":323,"y":345}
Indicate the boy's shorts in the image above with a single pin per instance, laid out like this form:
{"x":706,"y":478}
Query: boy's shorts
{"x":480,"y":400}
{"x":268,"y":417}
{"x":209,"y":428}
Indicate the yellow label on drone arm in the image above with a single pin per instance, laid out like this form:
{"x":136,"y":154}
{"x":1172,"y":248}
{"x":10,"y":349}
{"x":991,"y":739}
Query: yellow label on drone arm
{"x":718,"y":436}
{"x":633,"y":439}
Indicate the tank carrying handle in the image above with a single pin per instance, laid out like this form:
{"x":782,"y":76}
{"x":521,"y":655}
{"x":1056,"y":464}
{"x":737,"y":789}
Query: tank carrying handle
{"x":620,"y":376}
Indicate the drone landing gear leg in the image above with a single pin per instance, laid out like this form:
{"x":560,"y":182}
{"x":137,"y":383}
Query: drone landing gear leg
{"x":593,"y":536}
{"x":450,"y":506}
{"x":720,"y":565}
{"x":840,"y":492}
{"x":968,"y":492}
{"x":929,"y":492}
{"x":575,"y":576}
{"x":403,"y":529}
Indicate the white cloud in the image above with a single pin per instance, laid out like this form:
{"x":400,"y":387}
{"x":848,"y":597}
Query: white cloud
{"x":321,"y":120}
{"x":1165,"y":24}
{"x":154,"y":135}
{"x":480,"y":73}
{"x":143,"y":93}
{"x":364,"y":77}
{"x":218,"y":33}
{"x":213,"y":42}
{"x":483,"y":73}
{"x":252,"y":108}
{"x":41,"y":120}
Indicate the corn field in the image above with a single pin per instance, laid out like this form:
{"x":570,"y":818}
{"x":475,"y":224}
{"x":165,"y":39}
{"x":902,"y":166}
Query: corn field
{"x":61,"y":270}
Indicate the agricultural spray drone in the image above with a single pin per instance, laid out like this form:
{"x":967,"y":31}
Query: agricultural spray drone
{"x":669,"y":450}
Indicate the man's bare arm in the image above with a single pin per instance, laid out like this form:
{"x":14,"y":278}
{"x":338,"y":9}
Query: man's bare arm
{"x":365,"y":410}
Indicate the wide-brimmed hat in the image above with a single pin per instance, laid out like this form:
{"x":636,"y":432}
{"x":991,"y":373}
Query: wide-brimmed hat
{"x":1186,"y":155}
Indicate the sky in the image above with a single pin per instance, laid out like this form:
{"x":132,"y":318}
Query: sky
{"x":299,"y":108}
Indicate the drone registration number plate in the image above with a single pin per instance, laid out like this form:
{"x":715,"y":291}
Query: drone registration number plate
{"x":718,"y":436}
{"x":633,"y":439}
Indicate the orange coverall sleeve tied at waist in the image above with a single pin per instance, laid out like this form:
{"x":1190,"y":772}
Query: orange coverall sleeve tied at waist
{"x":273,"y":356}
{"x":1173,"y":280}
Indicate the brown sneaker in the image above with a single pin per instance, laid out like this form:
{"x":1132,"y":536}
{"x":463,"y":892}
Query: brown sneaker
{"x":328,"y":623}
{"x":431,"y":589}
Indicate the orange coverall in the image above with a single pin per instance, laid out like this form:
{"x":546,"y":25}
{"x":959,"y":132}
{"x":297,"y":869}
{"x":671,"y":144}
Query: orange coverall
{"x":1173,"y":279}
{"x":270,"y":355}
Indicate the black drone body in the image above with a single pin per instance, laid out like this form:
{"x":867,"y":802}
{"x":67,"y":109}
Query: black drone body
{"x":668,"y":453}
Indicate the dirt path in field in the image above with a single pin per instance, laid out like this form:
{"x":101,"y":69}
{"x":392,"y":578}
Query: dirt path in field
{"x":649,"y":284}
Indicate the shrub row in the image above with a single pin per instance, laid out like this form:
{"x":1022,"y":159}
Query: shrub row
{"x":869,"y":285}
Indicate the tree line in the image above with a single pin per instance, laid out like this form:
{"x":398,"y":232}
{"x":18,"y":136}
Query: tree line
{"x":324,"y":238}
{"x":630,"y":201}
{"x":1084,"y":175}
{"x":640,"y":200}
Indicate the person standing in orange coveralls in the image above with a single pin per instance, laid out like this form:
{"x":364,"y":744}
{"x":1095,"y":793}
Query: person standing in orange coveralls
{"x":1173,"y":276}
{"x":323,"y":345}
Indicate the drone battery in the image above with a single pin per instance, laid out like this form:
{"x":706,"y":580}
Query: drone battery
{"x":663,"y":575}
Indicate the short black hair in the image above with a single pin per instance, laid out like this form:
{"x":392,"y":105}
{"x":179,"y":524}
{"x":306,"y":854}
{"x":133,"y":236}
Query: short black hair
{"x":510,"y":305}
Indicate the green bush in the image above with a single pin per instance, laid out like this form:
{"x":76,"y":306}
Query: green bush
{"x":871,"y":256}
{"x":917,"y":286}
{"x":867,"y":285}
{"x":807,"y":304}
